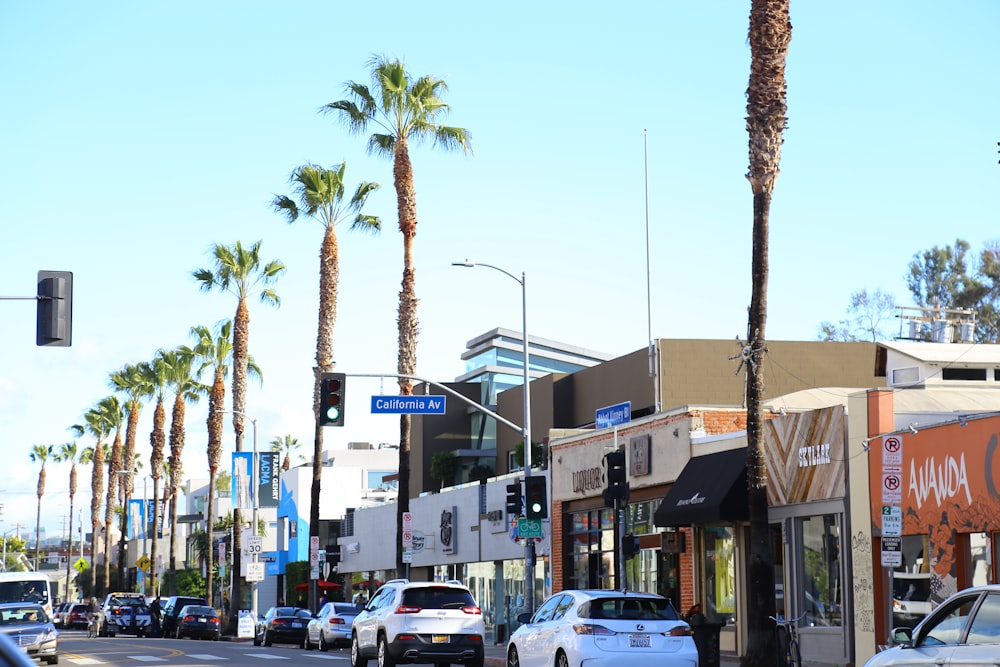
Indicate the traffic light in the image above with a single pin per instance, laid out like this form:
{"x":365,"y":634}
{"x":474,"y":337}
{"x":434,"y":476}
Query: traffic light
{"x":54,"y":312}
{"x":630,"y":546}
{"x":331,"y":399}
{"x":514,"y":499}
{"x":617,"y":488}
{"x":536,"y":503}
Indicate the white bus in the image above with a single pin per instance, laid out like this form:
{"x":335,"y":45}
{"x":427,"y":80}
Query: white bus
{"x":26,"y":587}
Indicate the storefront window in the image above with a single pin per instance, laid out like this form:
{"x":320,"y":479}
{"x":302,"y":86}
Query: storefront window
{"x":720,"y":574}
{"x":592,"y":535}
{"x":822,"y":574}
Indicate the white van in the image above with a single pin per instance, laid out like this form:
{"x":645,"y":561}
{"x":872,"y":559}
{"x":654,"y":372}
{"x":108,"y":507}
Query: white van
{"x":27,"y":587}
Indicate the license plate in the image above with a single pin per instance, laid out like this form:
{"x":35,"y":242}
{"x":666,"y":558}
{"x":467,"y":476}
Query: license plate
{"x":638,"y":641}
{"x":296,"y":625}
{"x":203,"y":620}
{"x":439,"y":639}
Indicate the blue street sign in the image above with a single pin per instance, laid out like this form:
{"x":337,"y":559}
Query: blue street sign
{"x":408,"y":405}
{"x":613,"y":414}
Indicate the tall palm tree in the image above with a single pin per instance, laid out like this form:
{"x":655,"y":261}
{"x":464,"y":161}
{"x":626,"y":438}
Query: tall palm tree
{"x":287,"y":444}
{"x":95,"y":424}
{"x":70,"y":452}
{"x":769,"y":36}
{"x":239,"y":270}
{"x":320,"y":194}
{"x":40,"y":453}
{"x":157,"y":440}
{"x":187,"y":389}
{"x":135,"y":383}
{"x":111,"y":410}
{"x":404,"y":110}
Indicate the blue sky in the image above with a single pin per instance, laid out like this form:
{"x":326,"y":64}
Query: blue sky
{"x":136,"y":135}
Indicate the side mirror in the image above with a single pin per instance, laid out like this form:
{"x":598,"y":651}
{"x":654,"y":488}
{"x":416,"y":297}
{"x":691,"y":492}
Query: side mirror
{"x":902,"y":636}
{"x":524,"y":617}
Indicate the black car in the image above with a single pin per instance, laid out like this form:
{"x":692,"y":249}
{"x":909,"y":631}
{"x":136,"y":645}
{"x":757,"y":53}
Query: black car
{"x":282,"y":625}
{"x":172,"y":609}
{"x":198,"y":621}
{"x":27,"y":624}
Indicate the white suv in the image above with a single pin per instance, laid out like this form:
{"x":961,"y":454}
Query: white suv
{"x":424,"y":621}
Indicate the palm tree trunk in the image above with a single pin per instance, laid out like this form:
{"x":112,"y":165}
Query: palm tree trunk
{"x":154,"y":541}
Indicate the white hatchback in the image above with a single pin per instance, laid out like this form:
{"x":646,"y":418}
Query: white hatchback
{"x":601,"y":628}
{"x":407,"y":622}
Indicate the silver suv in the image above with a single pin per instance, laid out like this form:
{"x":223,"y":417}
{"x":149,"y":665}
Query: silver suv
{"x":424,"y":621}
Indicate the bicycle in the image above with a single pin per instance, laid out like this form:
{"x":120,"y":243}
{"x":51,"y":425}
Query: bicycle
{"x":786,"y":636}
{"x":93,"y":626}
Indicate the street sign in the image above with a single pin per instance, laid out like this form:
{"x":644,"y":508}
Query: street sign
{"x":408,"y":405}
{"x":407,"y":556}
{"x":529,"y":528}
{"x":407,"y":520}
{"x":255,"y":544}
{"x":620,"y":413}
{"x":255,"y":571}
{"x":143,"y":562}
{"x":407,"y":538}
{"x":892,"y":520}
{"x":81,"y":564}
{"x":892,"y":488}
{"x":892,"y":552}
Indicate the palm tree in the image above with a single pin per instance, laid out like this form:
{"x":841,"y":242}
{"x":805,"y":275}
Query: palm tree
{"x":181,"y":379}
{"x":70,"y":452}
{"x":157,"y":440}
{"x":111,"y":410}
{"x":40,"y":453}
{"x":95,"y":424}
{"x":770,"y":33}
{"x":238,"y":270}
{"x":287,"y":444}
{"x":135,"y":383}
{"x":320,"y":194}
{"x":403,"y":109}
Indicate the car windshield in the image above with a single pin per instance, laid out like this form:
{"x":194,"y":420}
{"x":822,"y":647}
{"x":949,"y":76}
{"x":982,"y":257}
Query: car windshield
{"x":438,"y":597}
{"x":199,"y":610}
{"x":628,"y":608}
{"x":20,"y":615}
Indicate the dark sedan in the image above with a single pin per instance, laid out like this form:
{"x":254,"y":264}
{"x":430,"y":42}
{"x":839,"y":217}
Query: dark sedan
{"x":282,"y":625}
{"x":199,"y":622}
{"x":27,"y":624}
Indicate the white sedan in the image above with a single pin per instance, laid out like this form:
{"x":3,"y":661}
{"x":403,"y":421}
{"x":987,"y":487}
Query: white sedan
{"x":602,"y":629}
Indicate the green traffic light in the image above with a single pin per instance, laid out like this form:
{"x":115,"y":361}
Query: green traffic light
{"x":333,"y":414}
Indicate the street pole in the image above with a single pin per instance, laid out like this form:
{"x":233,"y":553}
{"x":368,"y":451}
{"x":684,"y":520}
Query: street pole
{"x":529,"y":543}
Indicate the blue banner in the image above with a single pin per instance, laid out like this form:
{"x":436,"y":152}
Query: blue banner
{"x":136,"y":518}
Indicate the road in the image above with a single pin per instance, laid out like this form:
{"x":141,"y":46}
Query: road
{"x":76,"y":649}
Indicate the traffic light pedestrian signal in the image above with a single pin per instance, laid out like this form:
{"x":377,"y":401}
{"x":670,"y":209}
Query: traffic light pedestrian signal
{"x":514,"y":499}
{"x":331,"y":399}
{"x":535,"y":498}
{"x":617,"y":488}
{"x":54,"y":312}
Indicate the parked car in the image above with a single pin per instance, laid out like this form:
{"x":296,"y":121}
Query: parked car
{"x":172,"y":609}
{"x":198,"y":621}
{"x":962,"y":630}
{"x":76,"y":616}
{"x":575,"y":627}
{"x":331,"y":626}
{"x":282,"y":625}
{"x":911,"y":598}
{"x":27,"y":624}
{"x":125,"y":613}
{"x":424,"y":621}
{"x":57,"y":613}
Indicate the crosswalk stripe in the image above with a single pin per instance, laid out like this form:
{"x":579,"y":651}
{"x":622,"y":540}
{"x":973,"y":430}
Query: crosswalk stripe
{"x":205,"y":656}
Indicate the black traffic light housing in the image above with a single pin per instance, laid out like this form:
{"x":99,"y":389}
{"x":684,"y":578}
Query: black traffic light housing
{"x":514,"y":499}
{"x":331,"y":399}
{"x":54,"y":313}
{"x":617,"y":488}
{"x":536,"y":500}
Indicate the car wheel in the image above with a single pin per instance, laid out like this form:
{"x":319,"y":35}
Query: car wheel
{"x":384,"y":658}
{"x":268,"y":640}
{"x":561,"y":659}
{"x":306,"y":644}
{"x":256,"y":640}
{"x":54,"y":660}
{"x":356,"y":658}
{"x":323,"y":646}
{"x":179,"y":635}
{"x":512,"y":659}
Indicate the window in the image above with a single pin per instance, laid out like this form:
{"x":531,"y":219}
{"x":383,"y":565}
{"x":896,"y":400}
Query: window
{"x":985,"y":628}
{"x":947,"y":628}
{"x":720,"y":573}
{"x":821,"y":576}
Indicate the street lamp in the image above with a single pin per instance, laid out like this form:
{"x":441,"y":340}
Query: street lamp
{"x":253,"y":496}
{"x":529,"y":544}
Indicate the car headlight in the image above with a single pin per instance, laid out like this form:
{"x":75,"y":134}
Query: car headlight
{"x":48,"y":636}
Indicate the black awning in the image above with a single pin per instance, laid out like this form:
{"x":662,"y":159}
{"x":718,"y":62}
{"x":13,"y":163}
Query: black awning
{"x":711,"y":488}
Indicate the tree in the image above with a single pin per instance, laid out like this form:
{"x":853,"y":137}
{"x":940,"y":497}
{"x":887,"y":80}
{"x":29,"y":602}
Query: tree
{"x":444,"y":465}
{"x":40,"y":453}
{"x":95,"y":424}
{"x":865,"y":318}
{"x":404,"y":110}
{"x":134,"y":382}
{"x":769,"y":36}
{"x":320,"y":195}
{"x":157,"y":440}
{"x":111,"y":410}
{"x":287,"y":444}
{"x":239,"y":271}
{"x":70,"y":452}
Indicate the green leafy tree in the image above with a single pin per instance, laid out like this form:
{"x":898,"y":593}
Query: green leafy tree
{"x":403,"y":110}
{"x":767,"y":103}
{"x":111,"y":409}
{"x":40,"y":454}
{"x":72,"y":453}
{"x":287,"y":444}
{"x":95,"y":423}
{"x":444,"y":465}
{"x":157,"y":440}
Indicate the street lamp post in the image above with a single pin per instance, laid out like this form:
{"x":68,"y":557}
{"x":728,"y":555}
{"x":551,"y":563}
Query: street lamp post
{"x":529,"y":543}
{"x":253,"y":496}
